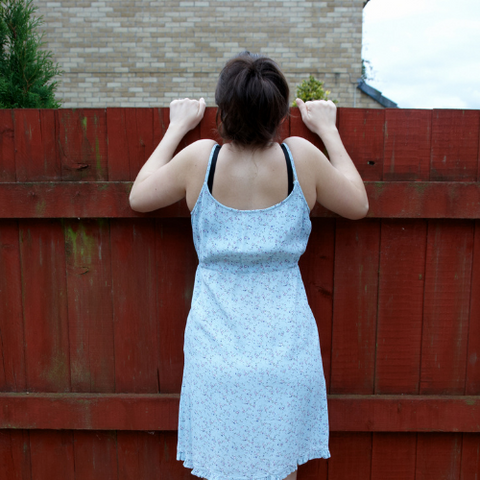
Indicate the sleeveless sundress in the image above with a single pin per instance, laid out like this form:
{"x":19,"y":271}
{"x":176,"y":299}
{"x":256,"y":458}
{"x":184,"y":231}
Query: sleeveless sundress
{"x":253,"y":400}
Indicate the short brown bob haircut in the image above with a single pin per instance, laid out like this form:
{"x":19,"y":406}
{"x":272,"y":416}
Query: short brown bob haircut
{"x":252,"y":97}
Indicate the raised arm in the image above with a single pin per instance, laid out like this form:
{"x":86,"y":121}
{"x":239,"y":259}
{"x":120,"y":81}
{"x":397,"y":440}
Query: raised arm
{"x":339,"y":186}
{"x":162,"y":181}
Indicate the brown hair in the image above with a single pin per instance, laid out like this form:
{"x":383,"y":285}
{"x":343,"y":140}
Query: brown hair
{"x":252,"y":98}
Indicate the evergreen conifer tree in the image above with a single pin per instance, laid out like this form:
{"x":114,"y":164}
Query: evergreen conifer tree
{"x":26,"y":71}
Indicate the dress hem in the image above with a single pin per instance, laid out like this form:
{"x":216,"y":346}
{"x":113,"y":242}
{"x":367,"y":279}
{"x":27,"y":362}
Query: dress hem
{"x":204,"y":473}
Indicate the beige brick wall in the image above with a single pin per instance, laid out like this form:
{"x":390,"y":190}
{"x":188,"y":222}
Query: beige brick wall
{"x":134,"y":53}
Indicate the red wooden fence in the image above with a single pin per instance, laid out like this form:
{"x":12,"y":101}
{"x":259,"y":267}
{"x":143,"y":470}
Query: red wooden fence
{"x":94,"y":297}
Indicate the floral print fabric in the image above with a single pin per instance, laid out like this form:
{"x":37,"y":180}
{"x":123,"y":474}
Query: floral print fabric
{"x":253,"y":400}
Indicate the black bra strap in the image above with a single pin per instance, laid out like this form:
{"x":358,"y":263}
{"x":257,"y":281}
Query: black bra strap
{"x":212,"y":167}
{"x":289,"y":168}
{"x":213,"y":164}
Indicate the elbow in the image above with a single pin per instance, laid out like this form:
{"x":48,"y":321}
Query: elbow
{"x":135,"y":205}
{"x":360,"y":212}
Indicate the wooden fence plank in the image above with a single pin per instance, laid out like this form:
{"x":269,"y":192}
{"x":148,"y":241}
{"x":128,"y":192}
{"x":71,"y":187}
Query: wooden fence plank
{"x":95,"y":455}
{"x":118,"y":145}
{"x":90,"y":317}
{"x":473,"y":355}
{"x":110,"y":200}
{"x":52,"y":455}
{"x":316,"y":266}
{"x":35,"y":145}
{"x":176,"y":264}
{"x":362,"y":132}
{"x":455,"y":139}
{"x":12,"y":367}
{"x":354,"y":307}
{"x":407,"y":144}
{"x":7,"y":146}
{"x":45,"y":306}
{"x":15,"y":455}
{"x":351,"y":456}
{"x":394,"y":456}
{"x":439,"y":456}
{"x":135,"y":313}
{"x":153,"y":411}
{"x":400,"y":306}
{"x":208,"y":126}
{"x":470,"y":468}
{"x":446,"y":307}
{"x":82,"y":143}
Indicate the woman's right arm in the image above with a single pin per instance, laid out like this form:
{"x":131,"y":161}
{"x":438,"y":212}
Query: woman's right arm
{"x":339,"y":186}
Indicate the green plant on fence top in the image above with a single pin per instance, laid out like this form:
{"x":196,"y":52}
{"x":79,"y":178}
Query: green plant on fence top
{"x":26,"y":71}
{"x":312,"y":89}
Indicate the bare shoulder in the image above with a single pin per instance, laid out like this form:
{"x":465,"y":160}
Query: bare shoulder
{"x":307,"y":158}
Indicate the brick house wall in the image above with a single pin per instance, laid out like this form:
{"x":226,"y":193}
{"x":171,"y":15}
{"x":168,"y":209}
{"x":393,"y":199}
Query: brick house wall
{"x":127,"y":53}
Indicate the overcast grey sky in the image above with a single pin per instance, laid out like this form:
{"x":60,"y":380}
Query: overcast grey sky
{"x":424,"y":53}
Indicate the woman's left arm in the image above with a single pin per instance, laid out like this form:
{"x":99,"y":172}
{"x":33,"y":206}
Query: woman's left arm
{"x":161,"y":182}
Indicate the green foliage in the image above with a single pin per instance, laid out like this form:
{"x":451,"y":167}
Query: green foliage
{"x":312,"y":89}
{"x":26,"y":71}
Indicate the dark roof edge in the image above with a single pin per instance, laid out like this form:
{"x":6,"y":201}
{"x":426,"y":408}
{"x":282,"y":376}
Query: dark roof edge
{"x":375,"y":94}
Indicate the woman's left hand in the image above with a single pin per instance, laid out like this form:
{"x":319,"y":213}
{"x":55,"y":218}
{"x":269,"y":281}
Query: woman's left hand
{"x":186,"y":114}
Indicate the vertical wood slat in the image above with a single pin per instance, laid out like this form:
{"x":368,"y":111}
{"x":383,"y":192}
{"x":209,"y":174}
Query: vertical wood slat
{"x":95,"y":454}
{"x":176,"y":264}
{"x":82,"y":144}
{"x":455,"y":141}
{"x":394,"y":456}
{"x":407,"y":144}
{"x":446,"y":311}
{"x":400,"y":306}
{"x":15,"y":455}
{"x":316,"y":265}
{"x":355,"y":307}
{"x":351,"y":456}
{"x":362,"y":132}
{"x":135,"y":314}
{"x":473,"y":356}
{"x":7,"y":146}
{"x":130,"y":140}
{"x":90,"y":317}
{"x":51,"y":454}
{"x":438,"y":456}
{"x":42,"y":250}
{"x":12,"y":367}
{"x":35,"y":145}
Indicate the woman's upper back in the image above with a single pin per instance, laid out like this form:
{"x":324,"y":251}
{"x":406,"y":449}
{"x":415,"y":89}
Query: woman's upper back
{"x":248,"y":179}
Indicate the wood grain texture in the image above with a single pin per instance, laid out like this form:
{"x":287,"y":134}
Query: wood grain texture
{"x":12,"y":338}
{"x":447,"y":307}
{"x":400,"y":306}
{"x":42,"y":250}
{"x":175,"y":271}
{"x":362,"y":132}
{"x":35,"y":145}
{"x":7,"y":146}
{"x":407,"y":144}
{"x":135,"y":312}
{"x":15,"y":455}
{"x":455,"y":139}
{"x":90,"y":316}
{"x":149,"y":411}
{"x":439,"y":456}
{"x":110,"y":200}
{"x":82,"y":144}
{"x":394,"y":456}
{"x":317,"y":267}
{"x":473,"y":354}
{"x":354,"y":307}
{"x":351,"y":456}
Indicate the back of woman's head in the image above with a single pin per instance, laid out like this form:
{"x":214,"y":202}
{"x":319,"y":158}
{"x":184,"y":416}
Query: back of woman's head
{"x":252,"y":98}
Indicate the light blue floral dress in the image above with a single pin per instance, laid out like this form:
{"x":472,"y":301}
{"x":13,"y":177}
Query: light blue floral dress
{"x":253,"y":400}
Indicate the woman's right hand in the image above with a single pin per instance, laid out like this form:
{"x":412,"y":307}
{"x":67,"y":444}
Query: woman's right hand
{"x":318,"y":115}
{"x":186,"y":114}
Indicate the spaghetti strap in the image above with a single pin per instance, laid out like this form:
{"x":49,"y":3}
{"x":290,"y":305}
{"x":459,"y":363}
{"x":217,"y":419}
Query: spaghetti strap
{"x":289,"y":161}
{"x":211,"y":166}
